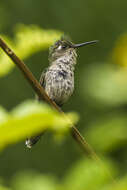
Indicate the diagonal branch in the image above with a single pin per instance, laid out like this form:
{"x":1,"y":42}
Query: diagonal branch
{"x":42,"y":95}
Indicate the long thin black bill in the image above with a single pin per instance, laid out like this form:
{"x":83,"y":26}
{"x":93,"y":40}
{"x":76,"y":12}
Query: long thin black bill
{"x":84,"y":44}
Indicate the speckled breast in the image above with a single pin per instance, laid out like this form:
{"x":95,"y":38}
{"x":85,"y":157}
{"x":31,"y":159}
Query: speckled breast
{"x":59,"y":84}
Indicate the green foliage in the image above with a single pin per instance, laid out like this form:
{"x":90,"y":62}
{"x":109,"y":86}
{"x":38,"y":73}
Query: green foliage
{"x":28,"y":40}
{"x":4,"y":188}
{"x":88,"y":174}
{"x":84,"y":175}
{"x":105,"y":84}
{"x":30,"y":118}
{"x":3,"y":114}
{"x":33,"y":180}
{"x":112,"y":133}
{"x":119,"y":55}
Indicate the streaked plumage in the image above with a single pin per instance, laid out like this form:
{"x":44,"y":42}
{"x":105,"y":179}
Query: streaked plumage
{"x":58,"y":78}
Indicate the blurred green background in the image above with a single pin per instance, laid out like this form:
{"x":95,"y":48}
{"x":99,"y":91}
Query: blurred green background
{"x":100,"y":95}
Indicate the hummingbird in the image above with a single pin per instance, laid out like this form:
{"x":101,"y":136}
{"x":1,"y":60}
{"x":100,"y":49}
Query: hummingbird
{"x":58,"y":78}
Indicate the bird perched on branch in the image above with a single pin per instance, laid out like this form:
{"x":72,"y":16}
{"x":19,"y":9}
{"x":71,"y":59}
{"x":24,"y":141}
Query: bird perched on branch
{"x":58,"y":78}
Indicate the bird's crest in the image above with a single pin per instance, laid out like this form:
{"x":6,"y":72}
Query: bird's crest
{"x":64,"y":43}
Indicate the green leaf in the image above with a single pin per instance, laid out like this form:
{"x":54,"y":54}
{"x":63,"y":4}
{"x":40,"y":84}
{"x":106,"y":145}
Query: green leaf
{"x":4,"y":188}
{"x":3,"y":114}
{"x":32,"y":180}
{"x":111,"y":130}
{"x":89,"y":174}
{"x":121,"y":184}
{"x":28,"y":40}
{"x":105,"y":85}
{"x":30,"y":118}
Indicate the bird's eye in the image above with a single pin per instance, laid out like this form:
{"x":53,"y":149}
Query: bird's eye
{"x":63,"y":47}
{"x":59,"y":47}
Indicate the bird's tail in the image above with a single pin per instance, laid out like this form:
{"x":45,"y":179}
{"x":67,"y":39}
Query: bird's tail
{"x":33,"y":140}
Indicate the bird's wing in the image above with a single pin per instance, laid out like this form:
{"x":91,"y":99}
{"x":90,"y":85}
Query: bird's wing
{"x":42,"y":78}
{"x":33,"y":140}
{"x":42,"y":81}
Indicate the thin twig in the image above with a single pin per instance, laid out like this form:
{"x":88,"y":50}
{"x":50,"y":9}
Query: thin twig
{"x":43,"y":95}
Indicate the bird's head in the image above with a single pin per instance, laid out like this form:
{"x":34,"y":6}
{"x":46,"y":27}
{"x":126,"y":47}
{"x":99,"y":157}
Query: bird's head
{"x":63,"y":46}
